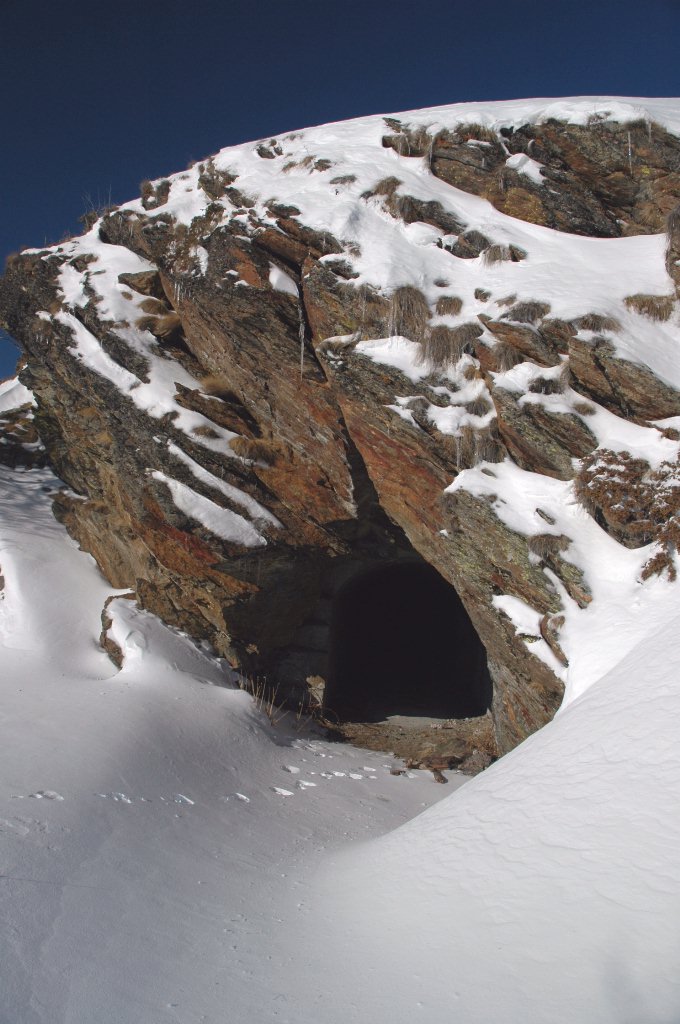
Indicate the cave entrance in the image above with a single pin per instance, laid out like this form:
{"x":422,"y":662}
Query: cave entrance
{"x":403,"y":644}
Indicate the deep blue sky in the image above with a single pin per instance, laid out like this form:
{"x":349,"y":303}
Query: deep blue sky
{"x":99,"y":95}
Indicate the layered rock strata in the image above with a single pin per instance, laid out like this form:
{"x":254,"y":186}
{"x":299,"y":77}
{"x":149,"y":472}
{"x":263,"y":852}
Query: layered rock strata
{"x":260,"y":382}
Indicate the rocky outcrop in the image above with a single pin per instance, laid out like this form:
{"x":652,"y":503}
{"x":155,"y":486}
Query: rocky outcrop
{"x":240,"y":441}
{"x":603,"y":179}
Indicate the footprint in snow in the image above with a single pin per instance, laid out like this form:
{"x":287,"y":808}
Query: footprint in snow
{"x":13,"y":827}
{"x":303,"y":784}
{"x":45,"y":794}
{"x":119,"y":798}
{"x":291,"y":768}
{"x":241,"y":797}
{"x":282,"y":792}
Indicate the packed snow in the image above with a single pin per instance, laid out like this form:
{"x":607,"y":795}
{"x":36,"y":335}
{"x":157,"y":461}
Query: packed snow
{"x":13,"y":395}
{"x":159,"y":837}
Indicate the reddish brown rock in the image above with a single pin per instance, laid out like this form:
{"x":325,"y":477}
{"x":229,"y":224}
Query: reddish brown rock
{"x":344,"y":452}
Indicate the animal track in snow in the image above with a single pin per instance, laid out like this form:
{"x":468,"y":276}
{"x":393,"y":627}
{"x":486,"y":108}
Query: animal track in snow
{"x":123,"y":798}
{"x":282,"y":792}
{"x":15,"y":827}
{"x":45,"y":794}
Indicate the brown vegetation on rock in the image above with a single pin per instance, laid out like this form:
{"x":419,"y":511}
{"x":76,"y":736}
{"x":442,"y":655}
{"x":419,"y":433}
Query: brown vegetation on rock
{"x":449,"y":305}
{"x":442,"y":345}
{"x":655,"y":307}
{"x":596,"y":322}
{"x":627,"y":498}
{"x":527,"y":312}
{"x":409,"y":313}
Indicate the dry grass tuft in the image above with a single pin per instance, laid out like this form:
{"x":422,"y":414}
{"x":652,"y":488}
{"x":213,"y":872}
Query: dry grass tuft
{"x":443,"y":346}
{"x":584,"y":408}
{"x":408,"y":141}
{"x":551,"y":385}
{"x":475,"y":132}
{"x":409,"y":313}
{"x":506,"y":356}
{"x":478,"y":445}
{"x":204,"y":431}
{"x":497,"y":254}
{"x":527,"y":312}
{"x":384,"y":187}
{"x":596,"y":322}
{"x":217,"y":386}
{"x":254,"y":449}
{"x":633,"y":502}
{"x":449,"y":305}
{"x":655,"y":307}
{"x":213,"y":181}
{"x":167,"y":326}
{"x":154,"y":307}
{"x":146,"y":323}
{"x":344,"y":179}
{"x":164,"y":327}
{"x":471,"y":372}
{"x":612,"y":487}
{"x":479,"y":406}
{"x":546,"y":544}
{"x":152,"y":195}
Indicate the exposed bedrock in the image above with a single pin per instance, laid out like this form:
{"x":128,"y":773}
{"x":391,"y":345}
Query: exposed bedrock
{"x":236,"y":457}
{"x":605,"y":179}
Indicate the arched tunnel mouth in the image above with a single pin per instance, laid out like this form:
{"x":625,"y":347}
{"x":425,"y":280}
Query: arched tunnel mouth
{"x":402,"y":644}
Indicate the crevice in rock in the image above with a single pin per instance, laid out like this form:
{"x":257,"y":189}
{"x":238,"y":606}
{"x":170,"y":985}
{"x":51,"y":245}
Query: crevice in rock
{"x":307,"y":350}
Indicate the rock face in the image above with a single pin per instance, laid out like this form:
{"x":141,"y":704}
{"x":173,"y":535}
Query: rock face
{"x":262,"y":379}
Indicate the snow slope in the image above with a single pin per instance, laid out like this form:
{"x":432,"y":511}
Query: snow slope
{"x":168,"y":855}
{"x":157,"y":834}
{"x":549,"y":888}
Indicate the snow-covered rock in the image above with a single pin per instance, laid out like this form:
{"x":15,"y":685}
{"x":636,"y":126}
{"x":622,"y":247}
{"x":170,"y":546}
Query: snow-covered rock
{"x":314,"y":356}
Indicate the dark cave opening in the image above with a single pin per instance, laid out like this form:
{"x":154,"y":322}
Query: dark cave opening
{"x":403,"y":644}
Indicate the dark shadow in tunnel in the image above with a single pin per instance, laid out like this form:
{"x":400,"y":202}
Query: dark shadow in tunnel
{"x":403,"y":644}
